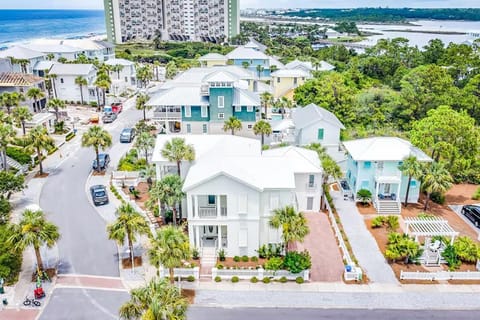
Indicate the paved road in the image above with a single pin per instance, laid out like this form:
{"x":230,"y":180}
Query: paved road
{"x":83,"y":304}
{"x":197,"y":313}
{"x":84,"y":247}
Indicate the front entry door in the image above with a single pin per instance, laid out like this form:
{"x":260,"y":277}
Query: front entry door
{"x":210,"y":235}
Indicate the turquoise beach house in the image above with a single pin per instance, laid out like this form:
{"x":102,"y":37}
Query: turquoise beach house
{"x":253,"y":59}
{"x":202,"y":99}
{"x":372,"y":164}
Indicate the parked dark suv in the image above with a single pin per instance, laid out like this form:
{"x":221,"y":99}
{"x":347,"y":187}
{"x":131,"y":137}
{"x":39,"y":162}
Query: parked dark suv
{"x":472,"y":212}
{"x":127,"y":135}
{"x":99,"y":194}
{"x":104,"y":159}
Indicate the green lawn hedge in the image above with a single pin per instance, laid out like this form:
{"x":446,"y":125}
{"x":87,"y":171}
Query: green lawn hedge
{"x":19,"y":155}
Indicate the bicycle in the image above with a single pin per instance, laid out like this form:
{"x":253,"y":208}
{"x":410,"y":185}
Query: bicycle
{"x":31,"y":302}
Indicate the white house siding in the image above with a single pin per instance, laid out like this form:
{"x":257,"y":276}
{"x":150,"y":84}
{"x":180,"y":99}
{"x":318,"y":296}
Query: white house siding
{"x":331,"y":138}
{"x":269,"y":201}
{"x":303,"y":191}
{"x":70,"y":91}
{"x":126,"y":80}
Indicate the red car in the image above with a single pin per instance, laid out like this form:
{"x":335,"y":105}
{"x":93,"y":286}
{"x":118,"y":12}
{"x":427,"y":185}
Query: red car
{"x":117,"y":107}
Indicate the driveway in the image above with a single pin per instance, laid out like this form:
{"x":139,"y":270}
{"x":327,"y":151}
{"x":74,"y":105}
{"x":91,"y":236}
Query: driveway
{"x":363,"y":244}
{"x":327,"y":263}
{"x":458,"y":210}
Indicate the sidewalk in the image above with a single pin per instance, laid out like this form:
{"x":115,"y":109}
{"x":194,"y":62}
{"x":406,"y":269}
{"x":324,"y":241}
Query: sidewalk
{"x":363,"y":244}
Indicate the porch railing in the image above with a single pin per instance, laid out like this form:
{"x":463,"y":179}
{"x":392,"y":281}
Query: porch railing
{"x":211,"y":212}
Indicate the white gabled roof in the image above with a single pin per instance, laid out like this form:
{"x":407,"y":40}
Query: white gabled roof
{"x":295,"y":64}
{"x":20,"y":53}
{"x":243,"y":97}
{"x":251,"y":44}
{"x":71,"y":69}
{"x":284,"y":73}
{"x":221,"y":76}
{"x":246,"y":53}
{"x":213,"y":57}
{"x":122,"y":62}
{"x":275,"y":62}
{"x":197,"y":75}
{"x":383,"y":149}
{"x":242,"y":160}
{"x":178,"y":96}
{"x":51,"y":48}
{"x":325,"y":66}
{"x":310,"y":114}
{"x":43,"y":65}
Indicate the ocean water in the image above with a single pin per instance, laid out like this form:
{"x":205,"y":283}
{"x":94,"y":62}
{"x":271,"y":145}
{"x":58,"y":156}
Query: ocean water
{"x":17,"y":26}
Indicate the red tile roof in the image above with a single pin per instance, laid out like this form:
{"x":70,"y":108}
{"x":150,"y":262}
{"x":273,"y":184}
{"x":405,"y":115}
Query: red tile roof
{"x":12,"y":79}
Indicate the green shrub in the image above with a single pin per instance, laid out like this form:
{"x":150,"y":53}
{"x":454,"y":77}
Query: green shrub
{"x":195,"y":254}
{"x":450,"y":255}
{"x":218,"y":279}
{"x":266,"y":280}
{"x":378,"y":221}
{"x":19,"y":155}
{"x":245,"y":259}
{"x":296,"y":262}
{"x":219,"y":266}
{"x":10,"y":258}
{"x":392,"y":223}
{"x":437,"y":197}
{"x":254,"y":280}
{"x":425,"y":215}
{"x":476,"y":195}
{"x":299,"y":280}
{"x":274,"y":263}
{"x":94,"y":104}
{"x":69,"y":136}
{"x":5,"y":209}
{"x":222,"y":255}
{"x":52,"y":150}
{"x":364,"y":196}
{"x":402,"y":246}
{"x":236,"y":259}
{"x":272,"y":250}
{"x":466,"y":249}
{"x":190,"y":278}
{"x":235,"y":279}
{"x":254,"y":259}
{"x":283,"y":280}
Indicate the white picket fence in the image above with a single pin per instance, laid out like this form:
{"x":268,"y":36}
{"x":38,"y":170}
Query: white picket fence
{"x":355,"y":272}
{"x":181,"y":272}
{"x":440,"y":275}
{"x":247,"y":274}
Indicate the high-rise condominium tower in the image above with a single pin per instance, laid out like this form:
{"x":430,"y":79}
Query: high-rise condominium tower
{"x":184,"y":20}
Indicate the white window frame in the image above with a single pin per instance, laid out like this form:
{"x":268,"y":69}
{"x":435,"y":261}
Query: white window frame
{"x":188,"y":111}
{"x":204,"y":112}
{"x":238,"y":108}
{"x":249,"y":108}
{"x":221,"y":115}
{"x":189,"y":128}
{"x":222,"y":100}
{"x":204,"y":128}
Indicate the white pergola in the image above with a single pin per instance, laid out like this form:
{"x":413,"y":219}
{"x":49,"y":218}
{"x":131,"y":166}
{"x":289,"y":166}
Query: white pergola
{"x":429,"y":227}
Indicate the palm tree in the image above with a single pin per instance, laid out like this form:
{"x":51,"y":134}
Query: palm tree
{"x":21,"y":115}
{"x":129,"y":223}
{"x":262,"y":128}
{"x":177,"y":150}
{"x":81,"y":82}
{"x":35,"y":94}
{"x":145,"y":142}
{"x":117,"y":68}
{"x":39,"y":140}
{"x":266,"y":99}
{"x":284,"y":103}
{"x":294,"y":225}
{"x":157,"y":300}
{"x":168,"y":191}
{"x":103,"y":82}
{"x":412,"y":169}
{"x":169,"y":249}
{"x":97,"y":138}
{"x":245,"y":64}
{"x":56,"y":104}
{"x":141,"y":104}
{"x":11,"y":99}
{"x":156,"y":64}
{"x":23,"y":64}
{"x":436,"y":179}
{"x":144,"y":74}
{"x":50,"y":56}
{"x":233,"y":124}
{"x":7,"y":135}
{"x":34,"y":230}
{"x":51,"y":77}
{"x":259,"y":70}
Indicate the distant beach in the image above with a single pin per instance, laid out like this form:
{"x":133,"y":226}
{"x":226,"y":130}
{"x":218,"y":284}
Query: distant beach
{"x":20,"y":26}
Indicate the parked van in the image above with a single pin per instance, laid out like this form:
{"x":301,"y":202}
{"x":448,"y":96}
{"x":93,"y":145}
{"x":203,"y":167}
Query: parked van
{"x":472,"y":212}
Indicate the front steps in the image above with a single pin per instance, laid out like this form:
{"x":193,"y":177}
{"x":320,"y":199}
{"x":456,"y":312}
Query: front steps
{"x":208,"y":260}
{"x":388,"y":207}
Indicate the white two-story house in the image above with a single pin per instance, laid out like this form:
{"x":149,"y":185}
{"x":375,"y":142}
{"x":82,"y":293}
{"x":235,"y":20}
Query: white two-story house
{"x":232,"y":188}
{"x":65,"y":87}
{"x":124,"y":78}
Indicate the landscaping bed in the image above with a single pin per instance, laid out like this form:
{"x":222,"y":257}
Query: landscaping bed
{"x":232,"y":264}
{"x":127,"y":262}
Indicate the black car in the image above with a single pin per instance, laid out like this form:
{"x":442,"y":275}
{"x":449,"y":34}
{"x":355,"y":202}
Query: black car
{"x":104,"y":159}
{"x":127,"y":135}
{"x":472,"y":212}
{"x":99,"y":194}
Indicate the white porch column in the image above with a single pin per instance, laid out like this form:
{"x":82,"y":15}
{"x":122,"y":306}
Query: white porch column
{"x":191,"y":235}
{"x":195,"y":206}
{"x":398,"y":191}
{"x":219,"y":208}
{"x":219,"y":237}
{"x":197,"y":237}
{"x":376,"y":191}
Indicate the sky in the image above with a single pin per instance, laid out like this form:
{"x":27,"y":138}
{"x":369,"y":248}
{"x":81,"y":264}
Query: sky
{"x":98,"y":4}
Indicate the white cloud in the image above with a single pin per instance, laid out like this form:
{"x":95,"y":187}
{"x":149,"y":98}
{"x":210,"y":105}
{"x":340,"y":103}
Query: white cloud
{"x":359,"y":3}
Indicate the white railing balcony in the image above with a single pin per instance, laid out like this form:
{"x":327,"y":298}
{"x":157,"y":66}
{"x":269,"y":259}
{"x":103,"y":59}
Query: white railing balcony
{"x":167,"y":115}
{"x":205,"y":90}
{"x":207,"y":212}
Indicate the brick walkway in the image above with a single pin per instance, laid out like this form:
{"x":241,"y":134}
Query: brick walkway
{"x":90,"y":282}
{"x":327,"y":264}
{"x":22,"y":314}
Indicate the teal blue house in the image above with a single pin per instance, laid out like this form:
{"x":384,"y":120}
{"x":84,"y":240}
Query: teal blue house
{"x":373,"y":164}
{"x":255,"y":60}
{"x":203,"y":106}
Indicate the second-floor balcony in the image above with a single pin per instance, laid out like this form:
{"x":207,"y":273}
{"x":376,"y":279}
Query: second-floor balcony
{"x":165,"y":113}
{"x":209,"y":206}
